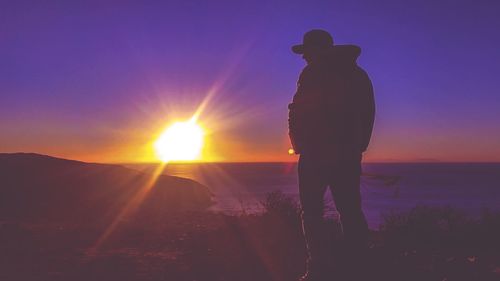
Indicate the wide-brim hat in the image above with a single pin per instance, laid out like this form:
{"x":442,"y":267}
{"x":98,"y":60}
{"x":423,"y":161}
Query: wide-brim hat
{"x":316,"y":38}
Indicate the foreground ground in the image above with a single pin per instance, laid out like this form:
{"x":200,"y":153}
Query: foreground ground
{"x":425,"y":244}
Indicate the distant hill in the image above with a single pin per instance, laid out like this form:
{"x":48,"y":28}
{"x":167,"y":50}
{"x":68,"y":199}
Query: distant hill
{"x":38,"y":187}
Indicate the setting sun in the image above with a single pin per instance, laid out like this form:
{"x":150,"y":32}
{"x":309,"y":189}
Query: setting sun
{"x":182,"y":141}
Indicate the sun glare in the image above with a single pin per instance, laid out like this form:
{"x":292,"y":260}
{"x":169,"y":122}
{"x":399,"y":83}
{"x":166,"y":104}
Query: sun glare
{"x":182,"y":141}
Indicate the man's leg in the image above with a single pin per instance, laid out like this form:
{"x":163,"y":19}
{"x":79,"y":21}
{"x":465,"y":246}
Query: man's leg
{"x":312,"y":186}
{"x":345,"y":187}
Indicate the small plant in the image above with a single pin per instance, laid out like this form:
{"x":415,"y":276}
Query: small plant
{"x":427,"y":227}
{"x":278,"y":203}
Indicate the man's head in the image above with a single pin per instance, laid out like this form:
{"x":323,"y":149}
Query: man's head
{"x":315,"y":44}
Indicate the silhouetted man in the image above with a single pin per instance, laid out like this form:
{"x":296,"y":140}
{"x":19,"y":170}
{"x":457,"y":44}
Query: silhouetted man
{"x":330,"y":125}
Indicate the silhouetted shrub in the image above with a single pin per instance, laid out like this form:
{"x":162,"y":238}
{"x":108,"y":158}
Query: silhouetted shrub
{"x":427,"y":227}
{"x":488,"y":231}
{"x":278,"y":203}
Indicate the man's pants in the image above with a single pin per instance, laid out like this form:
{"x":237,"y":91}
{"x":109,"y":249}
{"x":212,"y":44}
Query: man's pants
{"x":343,"y":178}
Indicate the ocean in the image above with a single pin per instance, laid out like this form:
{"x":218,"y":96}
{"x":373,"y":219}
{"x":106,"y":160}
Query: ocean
{"x":385,"y":187}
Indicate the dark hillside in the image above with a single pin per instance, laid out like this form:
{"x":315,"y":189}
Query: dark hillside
{"x":38,"y":187}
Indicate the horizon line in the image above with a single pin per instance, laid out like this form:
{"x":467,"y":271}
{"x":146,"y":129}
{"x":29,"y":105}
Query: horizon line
{"x":257,"y":162}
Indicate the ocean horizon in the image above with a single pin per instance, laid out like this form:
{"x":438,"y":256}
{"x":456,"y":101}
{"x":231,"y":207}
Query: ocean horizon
{"x":240,"y":187}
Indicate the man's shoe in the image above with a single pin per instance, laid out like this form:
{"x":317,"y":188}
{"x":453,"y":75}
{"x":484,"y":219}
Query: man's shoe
{"x":309,"y":276}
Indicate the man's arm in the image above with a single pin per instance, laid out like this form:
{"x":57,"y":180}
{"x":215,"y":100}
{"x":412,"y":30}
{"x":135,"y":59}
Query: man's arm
{"x":302,"y":109}
{"x":367,"y":109}
{"x":294,"y":116}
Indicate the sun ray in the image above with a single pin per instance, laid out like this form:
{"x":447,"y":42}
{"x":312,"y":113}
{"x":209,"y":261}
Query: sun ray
{"x":129,"y":208}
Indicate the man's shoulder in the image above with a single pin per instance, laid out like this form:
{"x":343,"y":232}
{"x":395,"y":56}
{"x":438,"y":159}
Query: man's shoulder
{"x":360,"y":71}
{"x":307,"y":70}
{"x":310,"y":73}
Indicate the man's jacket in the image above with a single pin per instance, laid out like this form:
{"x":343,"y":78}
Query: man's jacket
{"x":332,"y":112}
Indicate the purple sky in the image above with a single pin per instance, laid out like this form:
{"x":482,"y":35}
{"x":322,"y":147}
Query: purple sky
{"x":96,"y":81}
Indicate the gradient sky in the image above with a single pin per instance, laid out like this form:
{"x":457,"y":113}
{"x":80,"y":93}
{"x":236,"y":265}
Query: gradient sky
{"x":99,"y":81}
